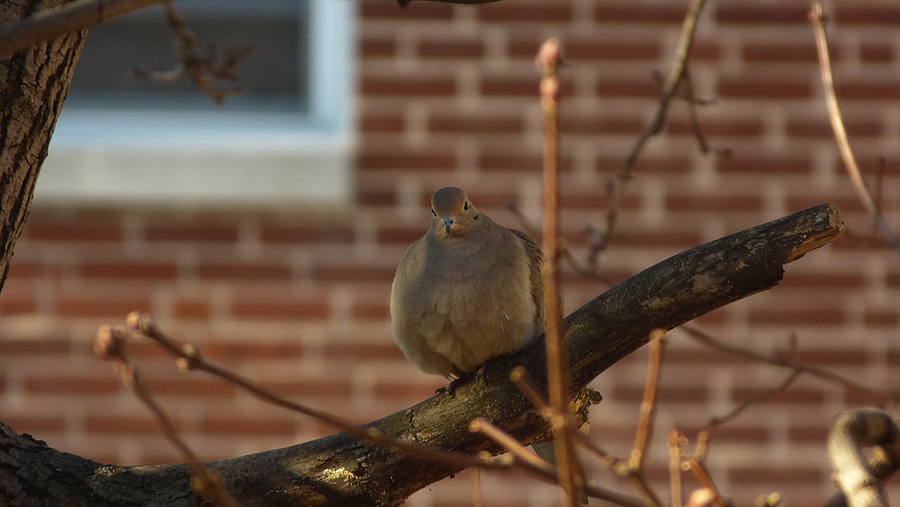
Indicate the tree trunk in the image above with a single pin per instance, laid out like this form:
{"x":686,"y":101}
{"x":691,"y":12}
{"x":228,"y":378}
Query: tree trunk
{"x":340,"y":470}
{"x":34,"y":83}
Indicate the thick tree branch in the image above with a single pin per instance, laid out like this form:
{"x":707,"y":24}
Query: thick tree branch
{"x":341,"y":470}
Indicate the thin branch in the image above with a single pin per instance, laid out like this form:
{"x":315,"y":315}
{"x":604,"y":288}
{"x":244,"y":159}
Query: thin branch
{"x":648,"y":405}
{"x":204,"y":71}
{"x":705,"y":480}
{"x":548,"y":61}
{"x":710,"y":341}
{"x":621,"y":468}
{"x":109,"y":345}
{"x":762,"y":397}
{"x":69,"y":17}
{"x":676,"y":443}
{"x":189,"y":358}
{"x":533,"y":463}
{"x":676,"y":74}
{"x":840,"y":133}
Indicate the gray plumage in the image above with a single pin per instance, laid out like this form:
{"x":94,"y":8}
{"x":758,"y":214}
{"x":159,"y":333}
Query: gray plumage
{"x":467,"y":291}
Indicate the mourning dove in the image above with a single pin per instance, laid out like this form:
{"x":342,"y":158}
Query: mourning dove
{"x":467,"y":291}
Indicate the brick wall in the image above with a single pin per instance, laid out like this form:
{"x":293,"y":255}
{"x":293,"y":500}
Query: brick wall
{"x":298,"y":298}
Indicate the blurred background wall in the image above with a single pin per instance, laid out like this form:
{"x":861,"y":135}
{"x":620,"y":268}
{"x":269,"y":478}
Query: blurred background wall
{"x":293,"y":290}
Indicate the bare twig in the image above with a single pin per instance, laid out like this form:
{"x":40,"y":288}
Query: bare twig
{"x":705,"y":480}
{"x":840,"y":133}
{"x":533,"y":463}
{"x":109,"y":345}
{"x":645,"y":420}
{"x":710,"y":341}
{"x":189,"y":358}
{"x":203,"y":71}
{"x":676,"y":443}
{"x":621,"y":468}
{"x":676,"y":74}
{"x":762,"y":397}
{"x":69,"y":17}
{"x":548,"y":61}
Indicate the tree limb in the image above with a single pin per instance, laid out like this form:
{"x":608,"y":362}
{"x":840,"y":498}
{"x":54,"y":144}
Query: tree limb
{"x":341,"y":470}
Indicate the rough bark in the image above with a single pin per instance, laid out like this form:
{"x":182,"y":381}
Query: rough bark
{"x":33,"y":86}
{"x":340,"y":470}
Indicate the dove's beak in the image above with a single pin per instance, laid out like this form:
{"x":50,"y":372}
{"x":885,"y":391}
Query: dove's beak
{"x":448,"y":222}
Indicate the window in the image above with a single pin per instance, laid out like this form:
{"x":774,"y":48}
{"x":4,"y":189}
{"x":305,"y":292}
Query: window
{"x":288,"y":139}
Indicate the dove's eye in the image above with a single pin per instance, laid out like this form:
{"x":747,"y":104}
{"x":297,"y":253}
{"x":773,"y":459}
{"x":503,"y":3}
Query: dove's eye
{"x":466,"y":205}
{"x":432,"y":212}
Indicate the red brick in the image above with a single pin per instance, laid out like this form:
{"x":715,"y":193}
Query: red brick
{"x":684,"y":240}
{"x":705,"y":51}
{"x":827,"y":358}
{"x":731,"y":433}
{"x":610,"y":13}
{"x":224,"y":351}
{"x":112,"y":306}
{"x":823,"y":280}
{"x":767,"y":14}
{"x":796,"y":317}
{"x":789,"y":396}
{"x":451,"y":49}
{"x":808,"y":434}
{"x":862,"y":90}
{"x":46,"y":230}
{"x":408,"y":86}
{"x":823,"y":128}
{"x":859,"y":398}
{"x":570,"y":125}
{"x":354,"y":273}
{"x":877,"y":319}
{"x":385,"y":350}
{"x":876,"y":53}
{"x":529,"y":12}
{"x":511,"y":162}
{"x":36,"y":424}
{"x":612,"y":166}
{"x":74,"y":384}
{"x":609,"y":86}
{"x":713,"y":203}
{"x":126,"y":424}
{"x":220,"y":233}
{"x":130,"y":271}
{"x":325,"y":388}
{"x":381,"y":123}
{"x":185,"y":309}
{"x":520,"y":86}
{"x":368,"y":159}
{"x":273,"y":272}
{"x":867,"y":15}
{"x":251,"y":425}
{"x":470,"y":124}
{"x":664,"y":394}
{"x":371,"y":311}
{"x":744,"y":87}
{"x":263,"y":310}
{"x":772,"y":53}
{"x":376,"y":198}
{"x":190,"y":386}
{"x":777,"y":477}
{"x":22,"y":269}
{"x":401,"y":236}
{"x":14,"y":306}
{"x":593,"y":50}
{"x":739,"y":164}
{"x":378,"y":9}
{"x":370,"y":47}
{"x":407,"y":390}
{"x":305,"y":233}
{"x":41,"y":347}
{"x":736,"y":127}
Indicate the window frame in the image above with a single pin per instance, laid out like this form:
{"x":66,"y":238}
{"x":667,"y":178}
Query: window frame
{"x":126,"y":156}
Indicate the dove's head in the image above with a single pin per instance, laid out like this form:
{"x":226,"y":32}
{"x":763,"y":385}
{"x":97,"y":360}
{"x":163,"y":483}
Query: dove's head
{"x":453,"y":213}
